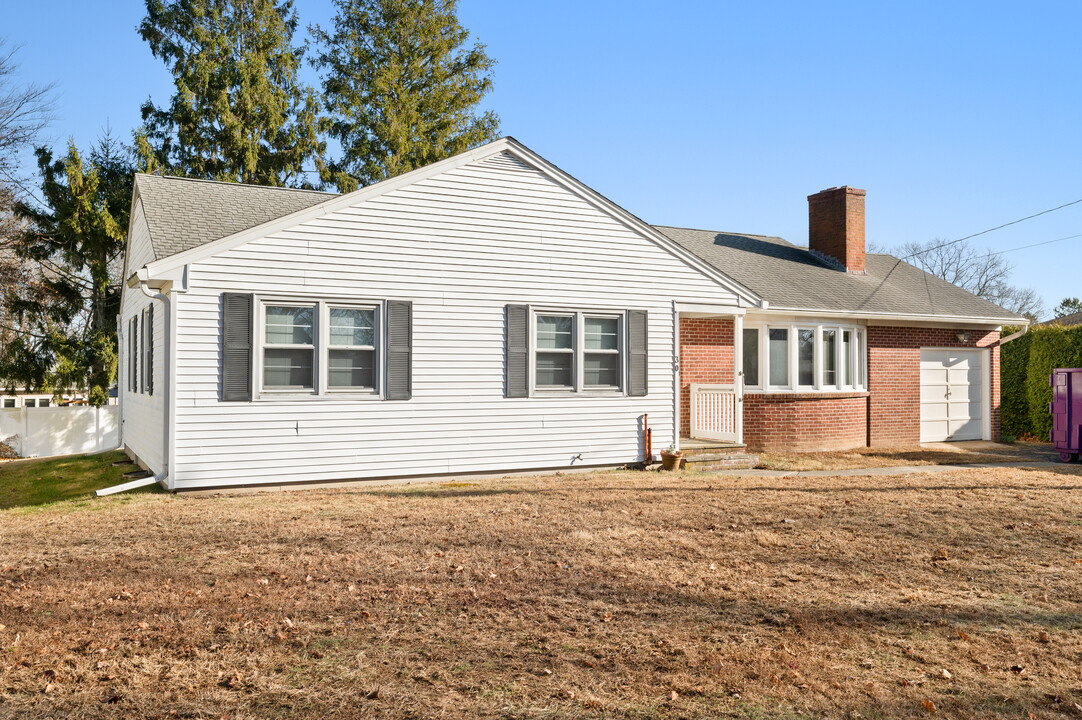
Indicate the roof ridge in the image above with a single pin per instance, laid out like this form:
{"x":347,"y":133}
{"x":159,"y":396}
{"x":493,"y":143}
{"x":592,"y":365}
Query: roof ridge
{"x":726,"y":232}
{"x":235,"y":184}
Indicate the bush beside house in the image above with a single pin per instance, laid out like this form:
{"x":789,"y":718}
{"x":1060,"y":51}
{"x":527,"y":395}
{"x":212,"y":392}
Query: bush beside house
{"x":1025,"y":365}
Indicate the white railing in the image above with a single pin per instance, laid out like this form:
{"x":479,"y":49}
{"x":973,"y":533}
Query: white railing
{"x":713,"y":412}
{"x":41,"y":432}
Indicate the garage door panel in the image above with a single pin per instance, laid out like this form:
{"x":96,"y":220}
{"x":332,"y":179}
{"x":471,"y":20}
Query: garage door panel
{"x":934,"y":428}
{"x":934,"y":411}
{"x":951,"y":395}
{"x":933,"y":393}
{"x":933,"y":375}
{"x":965,"y":429}
{"x":957,"y":376}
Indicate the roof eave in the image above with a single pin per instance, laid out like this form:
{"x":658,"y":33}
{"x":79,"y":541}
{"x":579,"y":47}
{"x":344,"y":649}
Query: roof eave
{"x":907,"y":317}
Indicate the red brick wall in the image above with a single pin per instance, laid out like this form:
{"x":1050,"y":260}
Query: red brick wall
{"x":894,"y":378}
{"x":804,"y":422}
{"x":706,"y":356}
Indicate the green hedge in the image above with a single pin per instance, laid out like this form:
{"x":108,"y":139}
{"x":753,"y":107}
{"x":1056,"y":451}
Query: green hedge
{"x":1014,"y":408}
{"x":1025,"y":365}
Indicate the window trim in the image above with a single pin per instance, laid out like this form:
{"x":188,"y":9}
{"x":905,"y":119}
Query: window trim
{"x":856,"y":353}
{"x":578,"y":352}
{"x":320,"y":347}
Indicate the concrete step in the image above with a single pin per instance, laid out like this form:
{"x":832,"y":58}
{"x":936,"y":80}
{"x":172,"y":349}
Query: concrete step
{"x":698,"y":447}
{"x":137,"y":474}
{"x":721,"y":461}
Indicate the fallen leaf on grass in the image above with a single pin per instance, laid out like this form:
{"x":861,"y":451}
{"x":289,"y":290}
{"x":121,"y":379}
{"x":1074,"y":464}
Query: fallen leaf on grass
{"x":929,"y":706}
{"x":945,"y":674}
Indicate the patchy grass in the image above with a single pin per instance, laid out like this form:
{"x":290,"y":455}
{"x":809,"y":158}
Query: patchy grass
{"x":916,"y":455}
{"x":612,"y":595}
{"x":49,"y":480}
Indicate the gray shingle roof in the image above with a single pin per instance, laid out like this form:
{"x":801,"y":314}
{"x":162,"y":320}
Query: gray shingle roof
{"x":788,"y":276}
{"x":1065,"y":321}
{"x":182,"y":213}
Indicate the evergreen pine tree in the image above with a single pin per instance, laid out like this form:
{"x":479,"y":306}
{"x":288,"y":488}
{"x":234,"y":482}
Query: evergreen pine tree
{"x":401,"y":88}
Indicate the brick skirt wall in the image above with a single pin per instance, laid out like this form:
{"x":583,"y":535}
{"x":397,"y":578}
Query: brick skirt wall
{"x":805,"y":422}
{"x":706,"y":356}
{"x":894,"y":378}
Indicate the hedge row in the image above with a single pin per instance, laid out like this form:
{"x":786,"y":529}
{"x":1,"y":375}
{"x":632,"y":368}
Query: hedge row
{"x":1025,"y":365}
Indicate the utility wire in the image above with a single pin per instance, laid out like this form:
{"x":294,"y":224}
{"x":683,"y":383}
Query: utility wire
{"x":1046,"y":242}
{"x":997,"y":227}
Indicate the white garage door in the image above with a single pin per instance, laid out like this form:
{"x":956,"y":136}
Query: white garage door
{"x":951,"y":395}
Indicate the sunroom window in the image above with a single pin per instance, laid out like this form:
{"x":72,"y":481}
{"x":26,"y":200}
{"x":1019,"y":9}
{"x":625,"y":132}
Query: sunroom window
{"x":830,"y":357}
{"x":778,"y":357}
{"x":802,"y":357}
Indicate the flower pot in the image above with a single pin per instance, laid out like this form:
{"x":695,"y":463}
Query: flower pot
{"x":671,"y":461}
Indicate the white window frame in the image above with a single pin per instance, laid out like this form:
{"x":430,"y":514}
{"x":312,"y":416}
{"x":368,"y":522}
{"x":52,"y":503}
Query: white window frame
{"x":578,"y":351}
{"x":321,"y":347}
{"x":858,"y":356}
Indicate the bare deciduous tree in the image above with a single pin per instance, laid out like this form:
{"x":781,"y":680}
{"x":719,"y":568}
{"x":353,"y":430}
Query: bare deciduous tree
{"x":982,"y":273}
{"x":24,"y":111}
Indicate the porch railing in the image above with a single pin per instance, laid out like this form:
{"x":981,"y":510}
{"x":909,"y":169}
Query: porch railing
{"x":713,"y":412}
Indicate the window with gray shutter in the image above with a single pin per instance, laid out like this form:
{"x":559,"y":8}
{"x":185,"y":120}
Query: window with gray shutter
{"x":236,"y":347}
{"x":150,"y":349}
{"x":517,"y":351}
{"x":135,"y":353}
{"x":399,"y":350}
{"x":637,"y":356}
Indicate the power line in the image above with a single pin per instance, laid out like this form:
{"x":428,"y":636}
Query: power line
{"x":997,"y":227}
{"x":1046,"y":242}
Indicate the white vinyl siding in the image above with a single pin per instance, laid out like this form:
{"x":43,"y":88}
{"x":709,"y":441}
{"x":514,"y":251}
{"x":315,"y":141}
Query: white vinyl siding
{"x":143,"y":418}
{"x":461,"y":246}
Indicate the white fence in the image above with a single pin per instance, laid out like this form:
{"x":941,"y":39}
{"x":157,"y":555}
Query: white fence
{"x":40,"y":432}
{"x":713,"y":412}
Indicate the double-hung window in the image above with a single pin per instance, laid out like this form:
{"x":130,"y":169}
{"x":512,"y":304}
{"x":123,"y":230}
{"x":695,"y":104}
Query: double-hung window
{"x":555,"y":352}
{"x":351,"y":349}
{"x":578,"y":351}
{"x":289,"y":347}
{"x":320,"y":348}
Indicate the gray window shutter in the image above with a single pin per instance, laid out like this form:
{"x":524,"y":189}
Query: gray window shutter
{"x":150,"y":349}
{"x":135,"y":353}
{"x":399,"y":350}
{"x":517,"y":350}
{"x":638,"y":370}
{"x":236,"y":347}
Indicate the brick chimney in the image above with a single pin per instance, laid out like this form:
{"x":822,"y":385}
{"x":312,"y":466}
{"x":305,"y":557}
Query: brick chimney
{"x":836,"y":226}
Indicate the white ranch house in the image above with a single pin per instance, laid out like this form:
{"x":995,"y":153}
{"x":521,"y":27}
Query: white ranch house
{"x":485,"y":313}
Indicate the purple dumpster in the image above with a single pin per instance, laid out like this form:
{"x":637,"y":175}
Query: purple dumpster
{"x":1066,"y":409}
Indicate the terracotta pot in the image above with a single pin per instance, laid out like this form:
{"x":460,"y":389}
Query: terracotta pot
{"x":671,"y":461}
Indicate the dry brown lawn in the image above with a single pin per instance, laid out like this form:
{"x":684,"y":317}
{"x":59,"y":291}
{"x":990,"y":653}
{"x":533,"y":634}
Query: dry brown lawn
{"x":940,"y":454}
{"x":634,"y":595}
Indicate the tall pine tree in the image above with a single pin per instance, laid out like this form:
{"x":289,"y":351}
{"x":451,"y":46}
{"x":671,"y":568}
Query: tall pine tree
{"x":239,"y":112}
{"x":66,"y":309}
{"x":401,"y":88}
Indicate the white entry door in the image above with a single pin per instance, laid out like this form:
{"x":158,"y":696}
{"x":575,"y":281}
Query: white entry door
{"x":952,"y":395}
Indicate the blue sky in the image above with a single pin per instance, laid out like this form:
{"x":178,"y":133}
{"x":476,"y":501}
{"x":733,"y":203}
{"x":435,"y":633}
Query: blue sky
{"x":955,"y":117}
